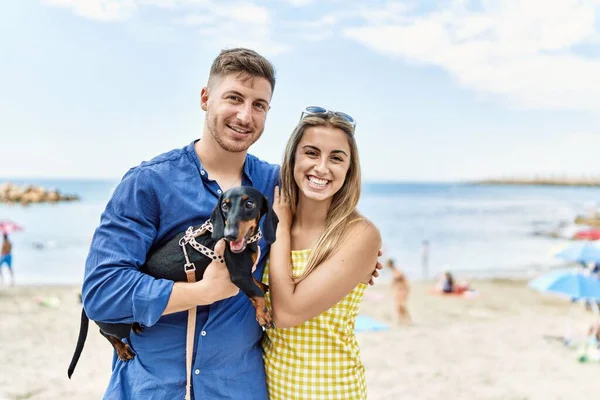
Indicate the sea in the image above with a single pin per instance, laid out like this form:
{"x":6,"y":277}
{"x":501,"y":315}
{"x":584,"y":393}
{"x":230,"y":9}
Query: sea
{"x":475,"y":231}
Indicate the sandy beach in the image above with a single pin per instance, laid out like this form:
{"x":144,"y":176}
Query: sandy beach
{"x":501,"y":345}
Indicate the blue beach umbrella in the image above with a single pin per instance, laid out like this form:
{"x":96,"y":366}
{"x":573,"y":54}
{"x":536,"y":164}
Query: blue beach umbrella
{"x":574,"y":284}
{"x":582,"y":252}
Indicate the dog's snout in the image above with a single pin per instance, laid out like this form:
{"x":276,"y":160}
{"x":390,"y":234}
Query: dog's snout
{"x":231,"y":233}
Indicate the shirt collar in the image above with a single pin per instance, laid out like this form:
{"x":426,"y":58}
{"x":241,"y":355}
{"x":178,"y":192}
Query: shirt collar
{"x":248,"y":163}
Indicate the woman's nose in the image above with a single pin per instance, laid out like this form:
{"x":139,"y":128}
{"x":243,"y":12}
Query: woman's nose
{"x":321,"y":168}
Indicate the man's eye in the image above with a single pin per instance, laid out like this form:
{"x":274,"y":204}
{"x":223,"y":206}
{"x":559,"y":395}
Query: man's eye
{"x":249,"y":204}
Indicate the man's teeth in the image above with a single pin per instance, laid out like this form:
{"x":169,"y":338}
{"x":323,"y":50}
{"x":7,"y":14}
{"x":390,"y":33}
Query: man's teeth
{"x":317,"y":181}
{"x":239,"y":130}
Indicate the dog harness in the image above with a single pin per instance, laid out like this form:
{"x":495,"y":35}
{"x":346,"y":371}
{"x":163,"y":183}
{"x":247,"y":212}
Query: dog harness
{"x":190,"y":271}
{"x":190,"y":238}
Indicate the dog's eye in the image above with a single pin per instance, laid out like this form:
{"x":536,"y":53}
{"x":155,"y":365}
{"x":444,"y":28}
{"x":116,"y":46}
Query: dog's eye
{"x":225,"y":207}
{"x":249,"y":204}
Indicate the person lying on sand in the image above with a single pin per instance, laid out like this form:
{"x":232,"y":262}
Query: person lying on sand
{"x":447,"y":285}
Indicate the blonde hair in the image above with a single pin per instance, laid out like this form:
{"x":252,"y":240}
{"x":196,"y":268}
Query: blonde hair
{"x":342,"y":210}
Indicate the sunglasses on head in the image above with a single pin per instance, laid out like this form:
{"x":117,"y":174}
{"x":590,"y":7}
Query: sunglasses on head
{"x":316,"y":110}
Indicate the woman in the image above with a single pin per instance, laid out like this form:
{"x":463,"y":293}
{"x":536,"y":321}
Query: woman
{"x":319,"y":265}
{"x":447,"y":284}
{"x":401,"y":290}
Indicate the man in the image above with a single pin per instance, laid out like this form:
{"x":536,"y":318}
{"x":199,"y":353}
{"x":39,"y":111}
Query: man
{"x":161,"y":198}
{"x":6,"y":258}
{"x":425,"y":259}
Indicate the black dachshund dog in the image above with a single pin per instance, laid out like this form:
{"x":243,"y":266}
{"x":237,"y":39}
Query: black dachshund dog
{"x":236,"y":219}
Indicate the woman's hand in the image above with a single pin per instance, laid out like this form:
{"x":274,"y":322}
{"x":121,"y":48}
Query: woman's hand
{"x":378,"y":266}
{"x":281,"y":207}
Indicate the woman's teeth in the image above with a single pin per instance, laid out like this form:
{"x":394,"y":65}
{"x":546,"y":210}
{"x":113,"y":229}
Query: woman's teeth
{"x":320,"y":183}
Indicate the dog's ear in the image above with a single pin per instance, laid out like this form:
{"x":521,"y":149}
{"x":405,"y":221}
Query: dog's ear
{"x":217,"y":220}
{"x":270,"y":222}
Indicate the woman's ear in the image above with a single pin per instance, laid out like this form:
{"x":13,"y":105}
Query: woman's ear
{"x":270,"y":222}
{"x":217,"y":220}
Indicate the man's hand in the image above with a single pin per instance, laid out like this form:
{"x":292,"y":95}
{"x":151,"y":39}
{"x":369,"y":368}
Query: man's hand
{"x":378,"y":266}
{"x":215,"y":285}
{"x":216,"y":277}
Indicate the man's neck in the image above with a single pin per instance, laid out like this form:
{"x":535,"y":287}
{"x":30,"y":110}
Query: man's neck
{"x":218,"y":161}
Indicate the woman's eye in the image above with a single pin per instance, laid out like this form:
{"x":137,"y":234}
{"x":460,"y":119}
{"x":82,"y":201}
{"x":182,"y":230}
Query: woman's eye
{"x":249,"y":204}
{"x":311,"y":154}
{"x":337,"y":159}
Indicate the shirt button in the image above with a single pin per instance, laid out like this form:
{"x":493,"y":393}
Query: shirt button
{"x":202,"y":172}
{"x":219,"y":191}
{"x":197,"y":372}
{"x":203,"y":333}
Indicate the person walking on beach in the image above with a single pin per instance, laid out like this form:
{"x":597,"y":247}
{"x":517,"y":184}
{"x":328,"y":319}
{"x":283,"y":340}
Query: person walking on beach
{"x":6,"y":258}
{"x":425,"y":259}
{"x":401,"y":289}
{"x":161,"y":198}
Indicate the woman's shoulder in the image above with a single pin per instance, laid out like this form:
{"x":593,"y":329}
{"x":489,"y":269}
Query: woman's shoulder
{"x":361,"y":228}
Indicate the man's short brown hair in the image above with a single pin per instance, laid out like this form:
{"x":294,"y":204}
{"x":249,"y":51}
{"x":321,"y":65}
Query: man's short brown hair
{"x":243,"y":62}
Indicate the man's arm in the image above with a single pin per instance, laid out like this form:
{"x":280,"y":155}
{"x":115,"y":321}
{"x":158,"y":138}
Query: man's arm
{"x":114,"y":290}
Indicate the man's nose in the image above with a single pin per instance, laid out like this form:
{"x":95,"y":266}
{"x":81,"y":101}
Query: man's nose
{"x":245,"y":114}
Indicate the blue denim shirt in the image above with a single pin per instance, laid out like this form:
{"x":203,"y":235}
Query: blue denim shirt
{"x":154,"y":202}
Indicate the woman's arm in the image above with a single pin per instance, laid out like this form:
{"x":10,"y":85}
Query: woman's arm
{"x":327,"y":284}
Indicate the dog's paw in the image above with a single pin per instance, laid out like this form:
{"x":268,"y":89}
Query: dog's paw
{"x":263,"y":316}
{"x":137,"y":328}
{"x":125,"y":353}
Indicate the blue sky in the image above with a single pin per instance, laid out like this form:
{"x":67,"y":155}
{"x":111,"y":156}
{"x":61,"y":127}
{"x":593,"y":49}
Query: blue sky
{"x":442,"y":91}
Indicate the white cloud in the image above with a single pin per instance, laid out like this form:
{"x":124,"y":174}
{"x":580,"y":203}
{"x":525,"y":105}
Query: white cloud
{"x":102,"y":10}
{"x":195,"y":19}
{"x":239,"y":24}
{"x":226,"y":24}
{"x":246,"y":13}
{"x":524,"y":50}
{"x":300,"y":3}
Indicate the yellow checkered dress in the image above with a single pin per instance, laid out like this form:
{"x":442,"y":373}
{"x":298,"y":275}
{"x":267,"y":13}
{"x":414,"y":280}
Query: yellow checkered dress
{"x":319,"y":359}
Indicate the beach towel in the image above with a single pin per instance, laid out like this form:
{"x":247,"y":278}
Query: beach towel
{"x":366,"y":324}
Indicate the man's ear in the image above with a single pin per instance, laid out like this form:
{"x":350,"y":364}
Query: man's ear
{"x":270,"y":222}
{"x":217,"y":220}
{"x":204,"y":98}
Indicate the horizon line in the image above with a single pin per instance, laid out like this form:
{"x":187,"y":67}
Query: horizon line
{"x":113,"y":179}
